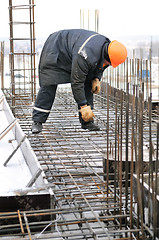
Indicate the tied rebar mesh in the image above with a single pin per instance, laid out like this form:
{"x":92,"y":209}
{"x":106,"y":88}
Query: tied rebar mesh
{"x":92,"y":174}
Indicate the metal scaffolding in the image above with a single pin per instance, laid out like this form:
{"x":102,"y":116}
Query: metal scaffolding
{"x":18,"y":56}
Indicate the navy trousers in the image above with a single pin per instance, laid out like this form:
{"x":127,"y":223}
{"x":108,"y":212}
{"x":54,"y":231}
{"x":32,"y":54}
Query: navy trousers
{"x":45,"y":100}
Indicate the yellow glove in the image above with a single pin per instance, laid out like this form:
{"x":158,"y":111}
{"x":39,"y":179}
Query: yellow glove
{"x":87,"y":114}
{"x":96,"y":86}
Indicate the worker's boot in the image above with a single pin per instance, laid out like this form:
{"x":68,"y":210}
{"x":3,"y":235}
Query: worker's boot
{"x":36,"y":127}
{"x":91,"y":126}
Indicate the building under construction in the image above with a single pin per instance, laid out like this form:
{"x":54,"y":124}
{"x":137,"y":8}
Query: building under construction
{"x":79,"y":184}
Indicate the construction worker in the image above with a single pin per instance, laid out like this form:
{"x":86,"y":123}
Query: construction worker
{"x":78,"y":57}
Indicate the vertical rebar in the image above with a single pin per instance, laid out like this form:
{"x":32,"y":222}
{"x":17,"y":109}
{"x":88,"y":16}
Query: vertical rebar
{"x":127,"y":153}
{"x":88,"y":18}
{"x":96,"y":20}
{"x":2,"y":65}
{"x":34,"y":63}
{"x":132,"y":163}
{"x":24,"y":72}
{"x":121,"y":155}
{"x":150,"y":63}
{"x":147,"y":84}
{"x":12,"y":55}
{"x":107,"y":159}
{"x":156,"y":178}
{"x":139,"y":164}
{"x":31,"y":48}
{"x":151,"y":182}
{"x":115,"y":160}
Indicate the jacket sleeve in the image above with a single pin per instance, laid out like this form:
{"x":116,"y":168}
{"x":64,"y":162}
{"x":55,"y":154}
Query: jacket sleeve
{"x":80,"y":70}
{"x":100,"y":72}
{"x":99,"y":75}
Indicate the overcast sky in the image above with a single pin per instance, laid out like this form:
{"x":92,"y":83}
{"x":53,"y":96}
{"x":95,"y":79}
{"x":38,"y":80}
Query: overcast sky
{"x":117,"y":18}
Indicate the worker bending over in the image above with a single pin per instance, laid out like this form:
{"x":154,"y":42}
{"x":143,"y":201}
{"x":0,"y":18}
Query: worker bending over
{"x":78,"y":57}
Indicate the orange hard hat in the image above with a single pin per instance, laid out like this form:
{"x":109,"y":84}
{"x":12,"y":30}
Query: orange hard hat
{"x":117,"y":53}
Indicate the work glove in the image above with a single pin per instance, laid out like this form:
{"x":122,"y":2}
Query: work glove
{"x":96,"y":86}
{"x":87,"y":114}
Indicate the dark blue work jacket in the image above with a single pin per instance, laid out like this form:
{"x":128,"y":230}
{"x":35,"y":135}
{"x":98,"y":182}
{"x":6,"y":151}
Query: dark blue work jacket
{"x":72,"y":56}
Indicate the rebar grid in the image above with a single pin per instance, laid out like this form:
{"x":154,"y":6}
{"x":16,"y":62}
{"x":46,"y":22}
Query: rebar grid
{"x":92,"y":202}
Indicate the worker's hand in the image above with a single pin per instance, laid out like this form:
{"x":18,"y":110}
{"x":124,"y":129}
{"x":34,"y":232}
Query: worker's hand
{"x":87,"y":114}
{"x":96,"y":86}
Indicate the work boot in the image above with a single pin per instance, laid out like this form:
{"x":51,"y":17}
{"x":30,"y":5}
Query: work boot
{"x":90,"y":126}
{"x":36,"y":127}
